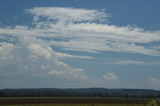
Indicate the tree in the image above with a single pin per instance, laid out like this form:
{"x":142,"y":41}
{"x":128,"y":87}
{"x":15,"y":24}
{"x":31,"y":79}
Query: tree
{"x":1,"y":94}
{"x":126,"y":95}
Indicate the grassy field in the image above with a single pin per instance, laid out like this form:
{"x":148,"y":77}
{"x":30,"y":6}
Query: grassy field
{"x":154,"y":102}
{"x":35,"y":101}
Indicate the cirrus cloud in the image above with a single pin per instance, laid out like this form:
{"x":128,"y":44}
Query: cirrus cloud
{"x":79,"y":31}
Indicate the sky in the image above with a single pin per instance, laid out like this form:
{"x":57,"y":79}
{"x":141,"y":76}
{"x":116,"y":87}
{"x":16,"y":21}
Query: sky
{"x":80,"y":44}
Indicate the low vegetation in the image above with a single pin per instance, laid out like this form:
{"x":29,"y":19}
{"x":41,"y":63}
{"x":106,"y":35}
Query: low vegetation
{"x":40,"y":101}
{"x":153,"y":102}
{"x":79,"y":97}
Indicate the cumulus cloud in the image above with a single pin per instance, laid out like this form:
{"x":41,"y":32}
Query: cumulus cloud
{"x":110,"y":76}
{"x":35,"y":59}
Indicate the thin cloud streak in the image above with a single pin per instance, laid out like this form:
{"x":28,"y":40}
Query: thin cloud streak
{"x":155,"y":81}
{"x":65,"y":55}
{"x":132,"y":62}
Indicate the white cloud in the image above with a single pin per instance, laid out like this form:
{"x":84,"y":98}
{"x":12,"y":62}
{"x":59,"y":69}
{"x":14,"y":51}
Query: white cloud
{"x":65,"y":55}
{"x":155,"y":81}
{"x":99,"y":45}
{"x":132,"y":62}
{"x":66,"y":14}
{"x":33,"y":59}
{"x":84,"y":35}
{"x":40,"y":51}
{"x":110,"y":76}
{"x":26,"y":51}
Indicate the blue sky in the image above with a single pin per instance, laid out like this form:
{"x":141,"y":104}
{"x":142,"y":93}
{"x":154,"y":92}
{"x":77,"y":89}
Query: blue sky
{"x":79,"y":44}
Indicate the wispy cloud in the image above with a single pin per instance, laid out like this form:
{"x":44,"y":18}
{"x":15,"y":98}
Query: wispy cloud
{"x":92,"y":37}
{"x":132,"y":62}
{"x":82,"y":32}
{"x":66,"y":14}
{"x":65,"y":55}
{"x":155,"y":81}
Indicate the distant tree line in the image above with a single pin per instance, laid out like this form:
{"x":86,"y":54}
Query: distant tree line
{"x":61,"y":93}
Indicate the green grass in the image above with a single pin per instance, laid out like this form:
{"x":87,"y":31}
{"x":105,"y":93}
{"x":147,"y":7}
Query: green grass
{"x":153,"y":103}
{"x":48,"y":101}
{"x":158,"y":102}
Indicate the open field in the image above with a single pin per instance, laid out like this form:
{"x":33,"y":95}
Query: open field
{"x":40,"y":101}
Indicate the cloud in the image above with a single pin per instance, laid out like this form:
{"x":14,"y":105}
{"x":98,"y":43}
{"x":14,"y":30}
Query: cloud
{"x":66,"y":14}
{"x":65,"y":55}
{"x":155,"y":81}
{"x":78,"y":30}
{"x":26,"y":51}
{"x":35,"y":59}
{"x":98,"y":37}
{"x":132,"y":62}
{"x":96,"y":45}
{"x":110,"y":76}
